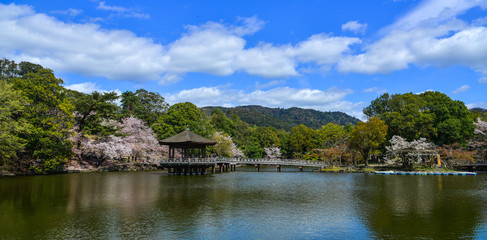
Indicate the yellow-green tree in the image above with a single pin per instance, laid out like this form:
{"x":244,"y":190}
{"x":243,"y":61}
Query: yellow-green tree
{"x":302,"y":139}
{"x":12,"y":122}
{"x":224,"y":144}
{"x":368,"y":136}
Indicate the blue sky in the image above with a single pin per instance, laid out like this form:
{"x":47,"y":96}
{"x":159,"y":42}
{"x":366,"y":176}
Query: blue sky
{"x":325,"y":55}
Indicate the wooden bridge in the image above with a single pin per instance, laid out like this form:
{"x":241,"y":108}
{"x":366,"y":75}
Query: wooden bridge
{"x":189,"y":166}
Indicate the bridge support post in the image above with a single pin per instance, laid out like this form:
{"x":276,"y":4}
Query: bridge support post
{"x":257,"y":167}
{"x":300,"y":168}
{"x":213,"y":168}
{"x":278,"y":168}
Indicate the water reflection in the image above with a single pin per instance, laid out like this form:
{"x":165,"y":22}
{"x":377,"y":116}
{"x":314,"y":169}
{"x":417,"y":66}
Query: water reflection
{"x":286,"y":205}
{"x":437,"y":207}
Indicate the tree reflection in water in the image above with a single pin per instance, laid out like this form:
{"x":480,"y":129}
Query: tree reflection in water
{"x":437,"y":207}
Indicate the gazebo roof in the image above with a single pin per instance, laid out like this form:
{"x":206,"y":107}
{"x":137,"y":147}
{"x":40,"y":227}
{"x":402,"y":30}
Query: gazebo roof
{"x":187,"y":138}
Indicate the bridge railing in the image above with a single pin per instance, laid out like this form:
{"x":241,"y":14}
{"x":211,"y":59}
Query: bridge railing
{"x":244,"y":161}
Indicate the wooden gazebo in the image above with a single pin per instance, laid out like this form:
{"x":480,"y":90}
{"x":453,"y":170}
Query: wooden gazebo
{"x":191,"y":144}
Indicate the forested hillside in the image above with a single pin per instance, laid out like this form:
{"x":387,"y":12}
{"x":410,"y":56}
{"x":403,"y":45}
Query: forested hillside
{"x":281,"y":118}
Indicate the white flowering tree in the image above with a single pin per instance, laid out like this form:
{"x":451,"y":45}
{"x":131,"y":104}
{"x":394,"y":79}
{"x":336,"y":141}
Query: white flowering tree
{"x":136,"y":141}
{"x":141,"y":139}
{"x":224,"y":146}
{"x":479,"y":140}
{"x":237,"y":153}
{"x":272,"y":152}
{"x":408,"y":153}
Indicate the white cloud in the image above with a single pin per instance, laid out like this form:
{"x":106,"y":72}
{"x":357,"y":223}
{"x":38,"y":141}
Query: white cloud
{"x":71,"y":12}
{"x":430,"y":35}
{"x":323,"y":49}
{"x":79,"y":48}
{"x":250,"y":26}
{"x":461,"y":89}
{"x":212,"y":48}
{"x":483,"y":80}
{"x":477,"y":104}
{"x":205,"y":96}
{"x":324,"y":100}
{"x":355,"y":27}
{"x":121,"y":11}
{"x":375,"y":90}
{"x":259,"y":86}
{"x":89,"y":87}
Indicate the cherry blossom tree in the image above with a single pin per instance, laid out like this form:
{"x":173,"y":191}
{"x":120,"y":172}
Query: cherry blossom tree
{"x":408,"y":152}
{"x":224,"y":145}
{"x":272,"y":152}
{"x":237,"y":153}
{"x":136,"y":140}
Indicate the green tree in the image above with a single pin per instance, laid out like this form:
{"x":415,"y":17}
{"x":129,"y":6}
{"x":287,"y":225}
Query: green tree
{"x":266,"y":137}
{"x":12,"y":122}
{"x":332,"y":135}
{"x":224,"y":144}
{"x":242,"y":132}
{"x":178,"y":117}
{"x":283,"y":136}
{"x":91,"y":110}
{"x":302,"y":139}
{"x":431,"y":115}
{"x":368,"y":136}
{"x":220,"y":122}
{"x":145,"y":105}
{"x":50,"y":112}
{"x":453,"y":121}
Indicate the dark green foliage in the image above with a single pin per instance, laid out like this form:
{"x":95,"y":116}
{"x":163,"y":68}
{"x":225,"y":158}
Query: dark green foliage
{"x":242,"y":133}
{"x":432,"y":115}
{"x":145,"y":105}
{"x":286,"y":119}
{"x":50,"y":113}
{"x":92,"y":109}
{"x":178,"y":117}
{"x":221,"y":123}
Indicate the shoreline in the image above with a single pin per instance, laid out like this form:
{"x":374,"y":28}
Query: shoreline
{"x":113,"y":166}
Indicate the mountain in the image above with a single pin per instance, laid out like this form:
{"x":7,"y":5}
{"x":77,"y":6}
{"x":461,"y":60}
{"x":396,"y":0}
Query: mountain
{"x":479,"y":112}
{"x":477,"y":109}
{"x":281,"y":118}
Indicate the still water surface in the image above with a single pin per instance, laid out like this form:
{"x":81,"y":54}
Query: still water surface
{"x":243,"y":205}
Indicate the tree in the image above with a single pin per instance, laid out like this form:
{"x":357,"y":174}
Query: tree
{"x":221,"y":123}
{"x":224,"y":146}
{"x":272,"y":152}
{"x":431,"y":115}
{"x":242,"y":133}
{"x":12,"y":122}
{"x":301,"y":140}
{"x":368,"y":136}
{"x":135,"y":140}
{"x":90,"y":112}
{"x":408,"y":152}
{"x":453,"y":121}
{"x":145,"y":105}
{"x":50,"y":112}
{"x":404,"y":115}
{"x":179,"y":117}
{"x":266,"y":137}
{"x":332,"y":135}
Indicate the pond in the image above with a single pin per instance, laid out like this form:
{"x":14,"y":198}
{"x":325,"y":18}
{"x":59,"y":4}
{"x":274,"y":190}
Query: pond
{"x":243,"y":205}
